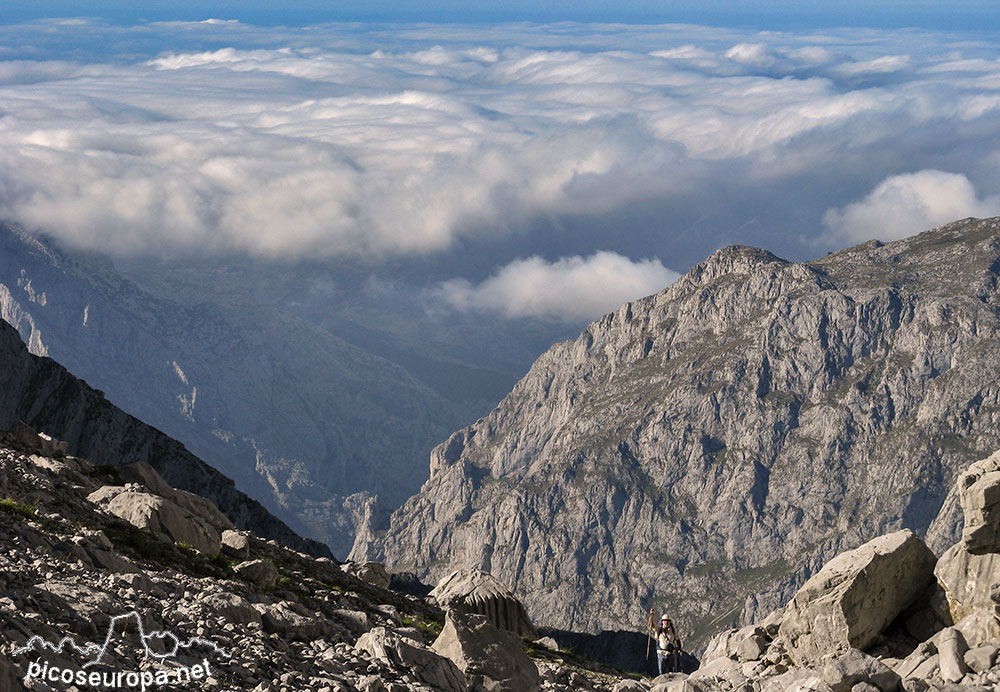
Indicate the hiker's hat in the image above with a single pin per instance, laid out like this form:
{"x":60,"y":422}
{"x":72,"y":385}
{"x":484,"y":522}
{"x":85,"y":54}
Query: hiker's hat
{"x":664,"y":617}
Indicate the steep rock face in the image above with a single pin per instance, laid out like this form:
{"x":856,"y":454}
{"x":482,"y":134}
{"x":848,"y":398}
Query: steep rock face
{"x":43,"y":394}
{"x":303,"y":421}
{"x":705,"y":449}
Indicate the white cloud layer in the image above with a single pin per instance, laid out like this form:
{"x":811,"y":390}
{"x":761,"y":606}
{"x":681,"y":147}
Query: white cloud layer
{"x":903,"y":205}
{"x":570,"y":289}
{"x":392,"y":141}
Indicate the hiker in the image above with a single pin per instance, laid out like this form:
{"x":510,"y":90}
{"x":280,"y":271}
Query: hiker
{"x":668,"y":644}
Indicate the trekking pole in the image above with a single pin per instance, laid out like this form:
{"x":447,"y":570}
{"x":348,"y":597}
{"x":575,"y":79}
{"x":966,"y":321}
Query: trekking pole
{"x":649,"y":635}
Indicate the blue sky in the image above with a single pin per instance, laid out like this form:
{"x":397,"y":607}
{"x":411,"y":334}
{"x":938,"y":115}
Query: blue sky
{"x":514,"y":169}
{"x":761,"y":14}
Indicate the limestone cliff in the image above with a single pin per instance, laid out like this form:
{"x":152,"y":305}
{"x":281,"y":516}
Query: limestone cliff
{"x":703,"y":450}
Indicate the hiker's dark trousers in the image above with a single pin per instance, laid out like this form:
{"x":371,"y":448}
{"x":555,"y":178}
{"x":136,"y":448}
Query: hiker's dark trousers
{"x":666,"y":662}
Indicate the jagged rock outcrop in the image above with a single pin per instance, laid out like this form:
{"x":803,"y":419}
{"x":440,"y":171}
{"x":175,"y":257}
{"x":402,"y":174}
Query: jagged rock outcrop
{"x":704,"y":450}
{"x":979,"y":494}
{"x":43,"y":394}
{"x":848,"y":603}
{"x":969,"y":572}
{"x":475,"y":591}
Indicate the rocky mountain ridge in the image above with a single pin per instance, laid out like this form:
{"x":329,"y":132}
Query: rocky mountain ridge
{"x":43,"y":394}
{"x":704,"y":450}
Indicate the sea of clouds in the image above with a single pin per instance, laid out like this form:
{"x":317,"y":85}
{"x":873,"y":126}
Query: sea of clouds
{"x":387,"y":142}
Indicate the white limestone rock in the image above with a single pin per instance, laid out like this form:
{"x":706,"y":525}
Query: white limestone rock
{"x":855,"y":596}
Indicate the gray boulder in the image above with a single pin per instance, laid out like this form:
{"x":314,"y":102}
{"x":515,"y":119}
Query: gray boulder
{"x":679,"y":684}
{"x":853,"y":667}
{"x":981,"y":658}
{"x":286,"y":618}
{"x":855,"y":596}
{"x":719,"y":668}
{"x":811,"y":684}
{"x":231,"y":607}
{"x":373,"y":573}
{"x":414,"y":658}
{"x":864,"y":687}
{"x":722,"y":645}
{"x":951,"y":649}
{"x":260,"y":572}
{"x":198,"y":506}
{"x":746,"y":644}
{"x":112,"y":562}
{"x":485,"y":653}
{"x":236,"y":543}
{"x":475,"y":591}
{"x":779,"y":683}
{"x":162,"y":517}
{"x":906,"y":668}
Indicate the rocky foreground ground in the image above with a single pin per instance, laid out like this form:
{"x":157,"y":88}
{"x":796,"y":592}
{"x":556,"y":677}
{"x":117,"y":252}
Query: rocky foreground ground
{"x":883,"y":617}
{"x":82,"y":545}
{"x":158,"y":582}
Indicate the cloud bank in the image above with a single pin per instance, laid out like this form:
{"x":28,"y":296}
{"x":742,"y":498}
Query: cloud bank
{"x":903,"y":205}
{"x":396,"y":141}
{"x":392,"y":145}
{"x":570,"y":289}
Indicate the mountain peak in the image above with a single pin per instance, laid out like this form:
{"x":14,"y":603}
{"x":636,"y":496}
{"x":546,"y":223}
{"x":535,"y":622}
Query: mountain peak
{"x":703,"y":448}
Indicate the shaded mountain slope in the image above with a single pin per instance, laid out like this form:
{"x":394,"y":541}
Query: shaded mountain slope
{"x":43,"y":394}
{"x":704,"y":449}
{"x":300,"y":418}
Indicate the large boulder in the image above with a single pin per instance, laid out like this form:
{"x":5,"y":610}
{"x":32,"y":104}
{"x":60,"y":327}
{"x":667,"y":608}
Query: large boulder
{"x":491,"y":659}
{"x":746,"y":644}
{"x":849,"y":602}
{"x":204,"y":509}
{"x":160,"y":516}
{"x":414,"y":658}
{"x":474,"y":591}
{"x":290,"y":618}
{"x":231,"y":608}
{"x":372,"y":572}
{"x":263,"y":573}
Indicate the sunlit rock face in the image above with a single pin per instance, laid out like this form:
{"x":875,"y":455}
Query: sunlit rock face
{"x":704,"y":450}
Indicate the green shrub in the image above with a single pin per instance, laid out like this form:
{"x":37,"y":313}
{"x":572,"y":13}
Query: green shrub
{"x":430,"y":628}
{"x":11,"y":506}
